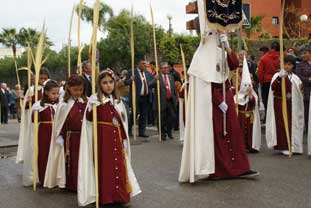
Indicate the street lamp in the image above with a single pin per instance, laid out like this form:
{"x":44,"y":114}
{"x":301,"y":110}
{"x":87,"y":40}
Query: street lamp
{"x":169,"y":17}
{"x":303,"y":18}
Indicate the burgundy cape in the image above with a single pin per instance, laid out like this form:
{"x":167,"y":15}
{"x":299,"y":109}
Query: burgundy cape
{"x":113,"y":181}
{"x":71,"y":133}
{"x":280,"y":128}
{"x":246,"y":119}
{"x":230,"y":157}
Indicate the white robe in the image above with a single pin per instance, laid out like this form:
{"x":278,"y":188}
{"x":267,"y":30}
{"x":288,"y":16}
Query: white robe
{"x":198,"y":157}
{"x":86,"y":172}
{"x":297,"y":116}
{"x":25,"y":142}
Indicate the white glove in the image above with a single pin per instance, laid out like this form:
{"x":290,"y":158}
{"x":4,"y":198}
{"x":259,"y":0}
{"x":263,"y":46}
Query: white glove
{"x":60,"y":140}
{"x":282,"y":73}
{"x":223,"y":107}
{"x":92,"y":100}
{"x":224,"y":40}
{"x":36,"y":107}
{"x":125,"y":145}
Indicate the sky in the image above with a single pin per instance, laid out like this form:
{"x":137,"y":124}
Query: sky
{"x":31,"y":13}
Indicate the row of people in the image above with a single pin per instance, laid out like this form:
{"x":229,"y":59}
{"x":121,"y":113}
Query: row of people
{"x":65,"y":146}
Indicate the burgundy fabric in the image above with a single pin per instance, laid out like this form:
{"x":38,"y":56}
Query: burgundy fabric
{"x":73,"y":124}
{"x":44,"y":140}
{"x":230,"y":157}
{"x":167,"y":87}
{"x":280,"y":128}
{"x":268,"y":66}
{"x":112,"y":170}
{"x":246,"y":122}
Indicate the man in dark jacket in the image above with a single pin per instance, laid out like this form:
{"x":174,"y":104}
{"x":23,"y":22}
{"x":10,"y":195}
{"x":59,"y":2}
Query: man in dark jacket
{"x":4,"y":100}
{"x":144,"y":82}
{"x":168,"y":99}
{"x":268,"y":65}
{"x":87,"y":73}
{"x":303,"y":71}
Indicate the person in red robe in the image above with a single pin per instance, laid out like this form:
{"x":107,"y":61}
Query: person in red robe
{"x":69,"y":136}
{"x":46,"y":107}
{"x":230,"y":156}
{"x":113,"y":182}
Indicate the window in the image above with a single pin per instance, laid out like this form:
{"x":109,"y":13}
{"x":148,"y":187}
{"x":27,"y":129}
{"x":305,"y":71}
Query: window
{"x":275,"y":20}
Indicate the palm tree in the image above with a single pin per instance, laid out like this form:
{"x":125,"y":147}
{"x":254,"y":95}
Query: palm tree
{"x":30,"y":37}
{"x":256,"y":26}
{"x":9,"y":37}
{"x":104,"y":11}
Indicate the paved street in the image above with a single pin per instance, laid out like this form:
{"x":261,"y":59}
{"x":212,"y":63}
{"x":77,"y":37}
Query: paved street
{"x":284,"y":183}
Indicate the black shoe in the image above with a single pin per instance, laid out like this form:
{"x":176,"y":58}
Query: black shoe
{"x":143,"y":135}
{"x":170,"y":136}
{"x":163,"y":138}
{"x":249,"y":174}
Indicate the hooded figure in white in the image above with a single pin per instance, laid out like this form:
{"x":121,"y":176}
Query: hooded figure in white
{"x":297,"y":113}
{"x":198,"y":156}
{"x":243,"y":100}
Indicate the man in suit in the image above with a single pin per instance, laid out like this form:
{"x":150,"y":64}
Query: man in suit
{"x":4,"y":100}
{"x":87,"y":73}
{"x":168,"y":101}
{"x":144,"y":82}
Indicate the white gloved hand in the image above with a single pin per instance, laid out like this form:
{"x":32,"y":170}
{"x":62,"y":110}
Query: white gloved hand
{"x":282,"y":73}
{"x":224,"y":40}
{"x":125,"y":145}
{"x":92,"y":100}
{"x":36,"y":107}
{"x":223,"y":107}
{"x":60,"y":140}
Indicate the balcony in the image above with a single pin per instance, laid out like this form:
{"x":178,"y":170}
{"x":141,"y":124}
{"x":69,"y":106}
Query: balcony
{"x":192,"y":8}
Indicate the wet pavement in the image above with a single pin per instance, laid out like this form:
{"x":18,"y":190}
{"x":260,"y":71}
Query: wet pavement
{"x":284,"y":183}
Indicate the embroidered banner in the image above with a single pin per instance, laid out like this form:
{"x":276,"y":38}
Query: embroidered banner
{"x":224,"y":14}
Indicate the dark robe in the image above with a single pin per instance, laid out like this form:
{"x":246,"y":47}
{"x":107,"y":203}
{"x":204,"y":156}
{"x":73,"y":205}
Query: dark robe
{"x":280,"y":128}
{"x":113,"y":182}
{"x":246,"y":119}
{"x":45,"y":119}
{"x":71,"y":133}
{"x":230,"y":157}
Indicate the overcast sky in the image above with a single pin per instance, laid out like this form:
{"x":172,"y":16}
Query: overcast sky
{"x":31,"y":13}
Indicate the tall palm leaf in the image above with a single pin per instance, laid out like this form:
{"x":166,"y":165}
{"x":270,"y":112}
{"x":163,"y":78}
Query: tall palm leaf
{"x":105,"y":12}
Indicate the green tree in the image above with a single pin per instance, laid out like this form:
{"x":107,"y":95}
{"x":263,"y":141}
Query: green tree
{"x":105,"y":13}
{"x":9,"y":37}
{"x":29,"y":36}
{"x":256,"y":26}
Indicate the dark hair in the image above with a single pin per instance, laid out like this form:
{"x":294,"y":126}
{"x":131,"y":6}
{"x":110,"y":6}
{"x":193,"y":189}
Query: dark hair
{"x":264,"y":49}
{"x":152,"y":63}
{"x":252,"y":57}
{"x":275,"y":46}
{"x":102,"y":75}
{"x":74,"y":80}
{"x":51,"y":84}
{"x":45,"y":71}
{"x":290,"y":59}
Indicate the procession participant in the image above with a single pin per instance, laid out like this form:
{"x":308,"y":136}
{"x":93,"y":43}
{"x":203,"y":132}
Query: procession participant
{"x":62,"y":168}
{"x":275,"y":128}
{"x":248,"y":112}
{"x":207,"y":151}
{"x":46,"y":108}
{"x":168,"y":101}
{"x":117,"y":182}
{"x":24,"y":151}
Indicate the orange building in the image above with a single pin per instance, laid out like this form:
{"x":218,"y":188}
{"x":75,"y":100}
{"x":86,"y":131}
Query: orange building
{"x":271,"y":10}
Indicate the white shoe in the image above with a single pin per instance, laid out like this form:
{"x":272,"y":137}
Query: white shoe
{"x":285,"y":152}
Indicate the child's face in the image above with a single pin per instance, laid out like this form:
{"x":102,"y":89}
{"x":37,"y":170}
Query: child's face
{"x":76,"y":91}
{"x":288,"y":67}
{"x":107,"y":85}
{"x":53,"y":94}
{"x":43,"y":78}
